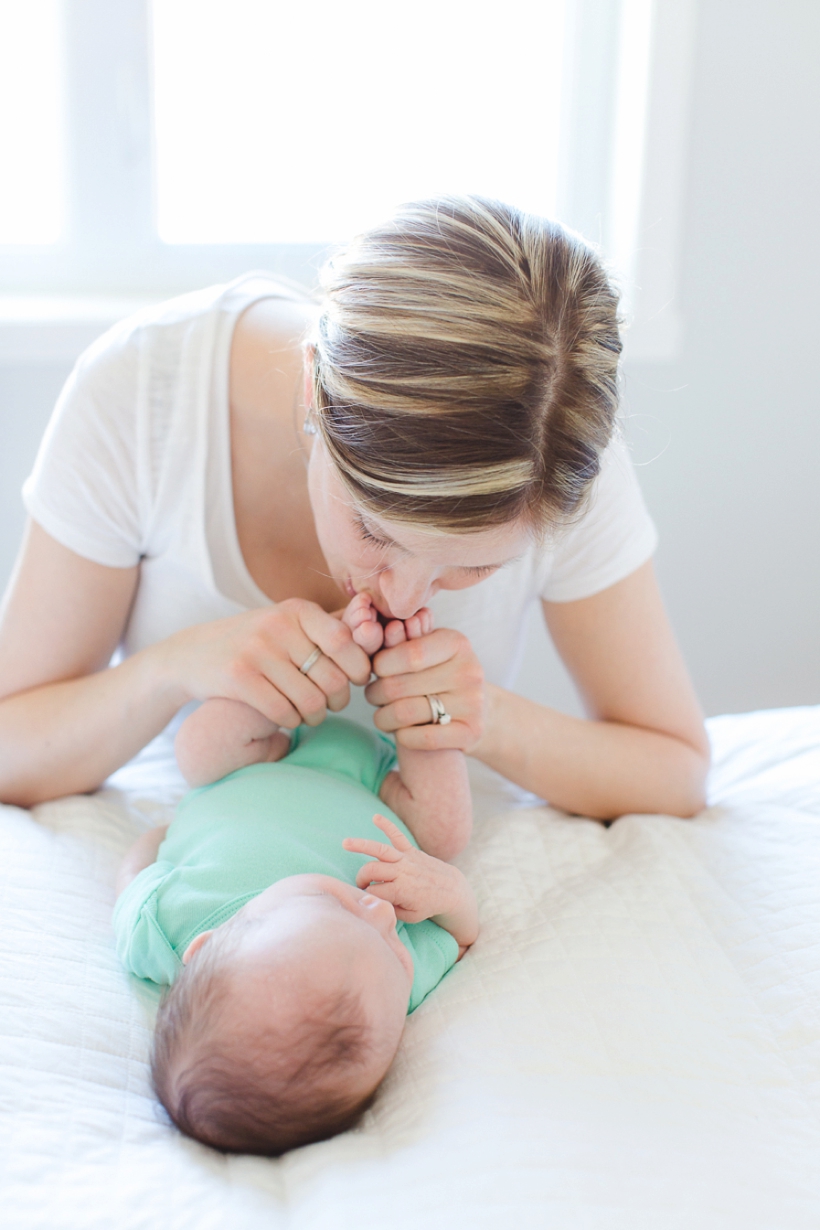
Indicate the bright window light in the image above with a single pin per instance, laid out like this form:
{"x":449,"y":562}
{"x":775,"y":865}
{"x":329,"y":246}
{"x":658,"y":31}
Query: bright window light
{"x":283,"y":123}
{"x":31,"y":135}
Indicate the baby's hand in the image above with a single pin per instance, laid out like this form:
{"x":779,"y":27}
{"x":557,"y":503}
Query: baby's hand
{"x":362,"y":619}
{"x":417,"y":885}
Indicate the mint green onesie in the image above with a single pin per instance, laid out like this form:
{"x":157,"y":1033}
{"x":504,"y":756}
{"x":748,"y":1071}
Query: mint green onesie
{"x":229,"y":841}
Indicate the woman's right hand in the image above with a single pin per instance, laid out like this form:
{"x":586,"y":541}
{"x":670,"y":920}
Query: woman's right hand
{"x":67,"y":722}
{"x":255,"y":657}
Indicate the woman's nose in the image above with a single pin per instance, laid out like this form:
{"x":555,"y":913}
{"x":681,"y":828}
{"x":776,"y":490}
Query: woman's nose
{"x":405,"y":591}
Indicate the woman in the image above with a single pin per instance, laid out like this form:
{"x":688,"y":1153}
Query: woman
{"x":211,"y":488}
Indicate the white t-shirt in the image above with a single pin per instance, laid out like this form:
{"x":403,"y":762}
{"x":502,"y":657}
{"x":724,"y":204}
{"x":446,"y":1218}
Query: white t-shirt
{"x":135,"y":467}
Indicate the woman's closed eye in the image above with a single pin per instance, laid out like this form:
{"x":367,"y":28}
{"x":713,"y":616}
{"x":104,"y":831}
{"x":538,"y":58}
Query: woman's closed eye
{"x":368,"y":536}
{"x":481,"y":570}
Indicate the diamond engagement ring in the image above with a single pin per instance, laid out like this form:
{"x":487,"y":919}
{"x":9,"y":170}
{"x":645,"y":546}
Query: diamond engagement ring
{"x":311,"y":661}
{"x":440,"y":715}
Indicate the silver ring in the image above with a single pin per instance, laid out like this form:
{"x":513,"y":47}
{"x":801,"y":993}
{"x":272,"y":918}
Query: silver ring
{"x":440,"y":715}
{"x":310,"y":662}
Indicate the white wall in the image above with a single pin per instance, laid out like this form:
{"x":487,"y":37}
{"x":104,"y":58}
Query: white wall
{"x":727,"y":434}
{"x":27,"y":394}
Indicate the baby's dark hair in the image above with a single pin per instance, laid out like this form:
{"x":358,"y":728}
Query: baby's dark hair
{"x":262,"y":1094}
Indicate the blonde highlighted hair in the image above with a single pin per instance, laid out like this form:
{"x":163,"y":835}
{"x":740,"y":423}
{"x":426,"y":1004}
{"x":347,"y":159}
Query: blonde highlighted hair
{"x":465,"y":366}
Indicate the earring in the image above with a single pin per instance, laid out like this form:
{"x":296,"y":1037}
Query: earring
{"x":309,"y":427}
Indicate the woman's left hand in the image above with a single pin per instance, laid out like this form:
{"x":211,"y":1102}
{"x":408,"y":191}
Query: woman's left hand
{"x":441,"y":664}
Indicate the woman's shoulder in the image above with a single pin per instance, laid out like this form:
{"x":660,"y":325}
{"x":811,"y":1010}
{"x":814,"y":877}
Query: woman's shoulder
{"x":612,"y":537}
{"x":175,"y":319}
{"x":273,"y":325}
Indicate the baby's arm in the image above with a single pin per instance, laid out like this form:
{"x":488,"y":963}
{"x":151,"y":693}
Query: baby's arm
{"x":417,"y":885}
{"x":141,"y":855}
{"x":224,"y":735}
{"x":431,"y":790}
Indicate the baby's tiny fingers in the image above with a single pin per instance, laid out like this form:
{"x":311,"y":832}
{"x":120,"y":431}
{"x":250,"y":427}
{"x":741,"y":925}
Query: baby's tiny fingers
{"x":374,"y":849}
{"x":395,"y":834}
{"x":380,"y":873}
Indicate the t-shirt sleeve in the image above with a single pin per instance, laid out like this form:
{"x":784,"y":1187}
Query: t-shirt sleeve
{"x":381,"y":759}
{"x":83,"y":489}
{"x":142,"y":946}
{"x":614,"y":536}
{"x":434,"y":953}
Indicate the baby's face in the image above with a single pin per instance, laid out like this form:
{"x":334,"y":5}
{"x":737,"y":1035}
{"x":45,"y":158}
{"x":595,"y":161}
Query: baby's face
{"x":314,"y":931}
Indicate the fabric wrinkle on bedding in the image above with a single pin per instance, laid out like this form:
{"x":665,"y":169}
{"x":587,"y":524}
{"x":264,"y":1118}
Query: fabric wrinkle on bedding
{"x":634,"y":1041}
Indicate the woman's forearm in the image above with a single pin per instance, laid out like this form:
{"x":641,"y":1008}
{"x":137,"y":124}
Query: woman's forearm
{"x":593,"y":768}
{"x":67,"y":737}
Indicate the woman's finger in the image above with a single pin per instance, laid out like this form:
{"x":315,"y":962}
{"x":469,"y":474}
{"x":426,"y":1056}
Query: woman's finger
{"x":414,"y":711}
{"x":431,"y":738}
{"x":332,"y":681}
{"x":454,"y":675}
{"x":334,"y":639}
{"x":417,"y":655}
{"x":306,"y":696}
{"x":256,"y":690}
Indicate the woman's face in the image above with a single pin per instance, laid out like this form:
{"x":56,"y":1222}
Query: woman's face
{"x":399,"y":566}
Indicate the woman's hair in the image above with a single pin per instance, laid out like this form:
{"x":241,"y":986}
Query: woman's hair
{"x":465,"y":366}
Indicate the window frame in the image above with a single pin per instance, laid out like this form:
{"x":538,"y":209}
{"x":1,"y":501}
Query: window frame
{"x":111,"y":247}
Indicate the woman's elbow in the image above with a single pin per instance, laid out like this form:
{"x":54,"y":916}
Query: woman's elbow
{"x":690,"y":795}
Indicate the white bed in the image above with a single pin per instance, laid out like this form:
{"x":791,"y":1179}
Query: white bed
{"x":634,"y":1042}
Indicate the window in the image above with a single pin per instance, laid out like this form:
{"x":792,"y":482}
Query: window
{"x":32,"y":203}
{"x":277,"y":124}
{"x":150,"y":146}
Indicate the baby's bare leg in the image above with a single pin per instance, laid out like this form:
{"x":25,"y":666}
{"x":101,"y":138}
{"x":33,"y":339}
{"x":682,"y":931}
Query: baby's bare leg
{"x":224,"y":735}
{"x":141,"y":855}
{"x":431,"y":791}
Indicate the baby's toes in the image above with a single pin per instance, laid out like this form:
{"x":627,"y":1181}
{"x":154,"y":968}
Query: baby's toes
{"x":394,"y":634}
{"x":419,"y":624}
{"x":357,"y":611}
{"x":369,"y":636}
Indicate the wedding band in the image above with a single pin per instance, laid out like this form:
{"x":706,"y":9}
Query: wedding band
{"x":311,"y":661}
{"x":440,"y":715}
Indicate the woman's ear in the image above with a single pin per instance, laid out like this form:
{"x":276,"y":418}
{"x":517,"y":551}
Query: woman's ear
{"x":195,"y":945}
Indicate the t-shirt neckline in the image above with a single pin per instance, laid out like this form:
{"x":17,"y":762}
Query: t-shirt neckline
{"x":235,"y":300}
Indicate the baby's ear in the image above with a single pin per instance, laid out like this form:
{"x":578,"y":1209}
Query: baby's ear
{"x":195,"y":945}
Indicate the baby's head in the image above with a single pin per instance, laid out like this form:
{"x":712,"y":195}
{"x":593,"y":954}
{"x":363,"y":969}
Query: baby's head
{"x":285,"y":1019}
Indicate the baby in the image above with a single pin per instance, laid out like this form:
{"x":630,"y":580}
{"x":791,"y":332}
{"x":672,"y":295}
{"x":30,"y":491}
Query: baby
{"x":271,"y":904}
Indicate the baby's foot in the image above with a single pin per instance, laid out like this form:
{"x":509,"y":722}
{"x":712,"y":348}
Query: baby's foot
{"x":362,"y":619}
{"x":398,"y":631}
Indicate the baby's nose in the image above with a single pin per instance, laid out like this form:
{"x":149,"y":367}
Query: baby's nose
{"x":381,"y":909}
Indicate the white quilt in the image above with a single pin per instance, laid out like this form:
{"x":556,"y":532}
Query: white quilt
{"x":632,"y":1044}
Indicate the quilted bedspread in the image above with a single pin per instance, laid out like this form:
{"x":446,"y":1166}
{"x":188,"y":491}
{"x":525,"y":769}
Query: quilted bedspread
{"x":632,"y":1044}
